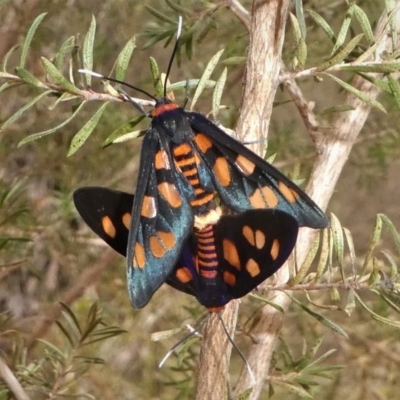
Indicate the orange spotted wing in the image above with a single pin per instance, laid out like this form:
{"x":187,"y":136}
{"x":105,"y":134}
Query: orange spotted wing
{"x":220,"y":263}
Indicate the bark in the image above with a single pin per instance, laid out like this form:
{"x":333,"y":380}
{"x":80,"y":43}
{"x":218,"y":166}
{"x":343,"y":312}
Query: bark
{"x":267,"y":25}
{"x":332,"y":152}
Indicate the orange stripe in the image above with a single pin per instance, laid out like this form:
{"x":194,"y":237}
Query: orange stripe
{"x":163,"y":108}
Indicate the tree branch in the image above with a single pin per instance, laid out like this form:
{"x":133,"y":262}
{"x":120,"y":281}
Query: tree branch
{"x":332,"y":153}
{"x":262,"y":76}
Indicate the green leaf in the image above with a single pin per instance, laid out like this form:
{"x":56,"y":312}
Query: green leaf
{"x":300,"y":54}
{"x":320,"y":21}
{"x":372,"y":244}
{"x":129,"y":136}
{"x":80,"y":138}
{"x":124,"y":59}
{"x":297,"y":390}
{"x":271,"y":303}
{"x":344,"y":29}
{"x":392,"y":230}
{"x":375,"y":316}
{"x":123,"y":130}
{"x":307,"y":262}
{"x":29,"y":37}
{"x":342,"y":54}
{"x":190,"y":83}
{"x":235,"y":60}
{"x":161,"y":16}
{"x":39,"y":135}
{"x":59,"y":77}
{"x":352,"y":250}
{"x":323,"y":258}
{"x":28,"y":77}
{"x":178,"y":8}
{"x":300,"y":18}
{"x":217,"y":94}
{"x":206,"y":75}
{"x":338,"y":241}
{"x":155,"y":73}
{"x":26,"y":107}
{"x":7,"y":57}
{"x":364,"y":23}
{"x":383,"y":68}
{"x":395,"y":89}
{"x":325,"y":321}
{"x":87,"y":50}
{"x":361,"y":95}
{"x":380,"y":83}
{"x":65,"y":48}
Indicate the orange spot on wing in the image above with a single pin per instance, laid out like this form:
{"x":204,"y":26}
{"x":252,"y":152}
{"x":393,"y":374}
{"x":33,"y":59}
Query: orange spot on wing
{"x":108,"y":226}
{"x":168,"y":238}
{"x":275,"y":249}
{"x":139,"y":258}
{"x":203,"y":200}
{"x":203,"y":142}
{"x":260,"y":239}
{"x":289,"y":194}
{"x":170,"y":193}
{"x":230,"y":253}
{"x":148,"y":207}
{"x":184,"y":275}
{"x":163,"y":108}
{"x":249,"y":235}
{"x":252,"y":268}
{"x":229,"y":278}
{"x":245,"y":165}
{"x":126,"y":220}
{"x":156,"y":247}
{"x":221,"y":170}
{"x":264,"y":198}
{"x":161,"y":160}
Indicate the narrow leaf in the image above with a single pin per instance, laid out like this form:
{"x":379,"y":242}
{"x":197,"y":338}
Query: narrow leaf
{"x":361,"y":95}
{"x":300,"y":55}
{"x":160,"y":15}
{"x":392,"y":230}
{"x":343,"y":30}
{"x":217,"y":94}
{"x":372,"y":244}
{"x":395,"y":88}
{"x":59,"y":77}
{"x":206,"y":75}
{"x":155,"y":73}
{"x":66,"y":47}
{"x":325,"y":321}
{"x":29,"y":37}
{"x":383,"y":68}
{"x":122,"y":130}
{"x":352,"y":250}
{"x":19,"y":113}
{"x":364,"y":23}
{"x":7,"y":57}
{"x":190,"y":83}
{"x":342,"y":54}
{"x":80,"y":138}
{"x":39,"y":135}
{"x":28,"y":77}
{"x":297,"y":390}
{"x":323,"y":258}
{"x":124,"y":59}
{"x":337,"y":109}
{"x":301,"y":274}
{"x":338,"y":240}
{"x":377,"y":317}
{"x":300,"y":18}
{"x":87,"y":50}
{"x":178,"y":8}
{"x":320,"y":21}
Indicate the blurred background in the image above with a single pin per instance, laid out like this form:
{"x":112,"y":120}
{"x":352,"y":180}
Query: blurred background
{"x":55,"y":250}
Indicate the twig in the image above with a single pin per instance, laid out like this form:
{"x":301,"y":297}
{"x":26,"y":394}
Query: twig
{"x":240,"y":12}
{"x":332,"y":154}
{"x":12,"y":382}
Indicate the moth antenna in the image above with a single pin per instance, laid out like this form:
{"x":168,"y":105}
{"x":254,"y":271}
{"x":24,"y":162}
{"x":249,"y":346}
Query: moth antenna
{"x":193,"y":332}
{"x":133,"y":102}
{"x":246,"y":363}
{"x":108,"y":78}
{"x":174,"y":51}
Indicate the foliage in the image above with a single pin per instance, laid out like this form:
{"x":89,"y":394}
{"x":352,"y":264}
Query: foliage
{"x":334,"y":281}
